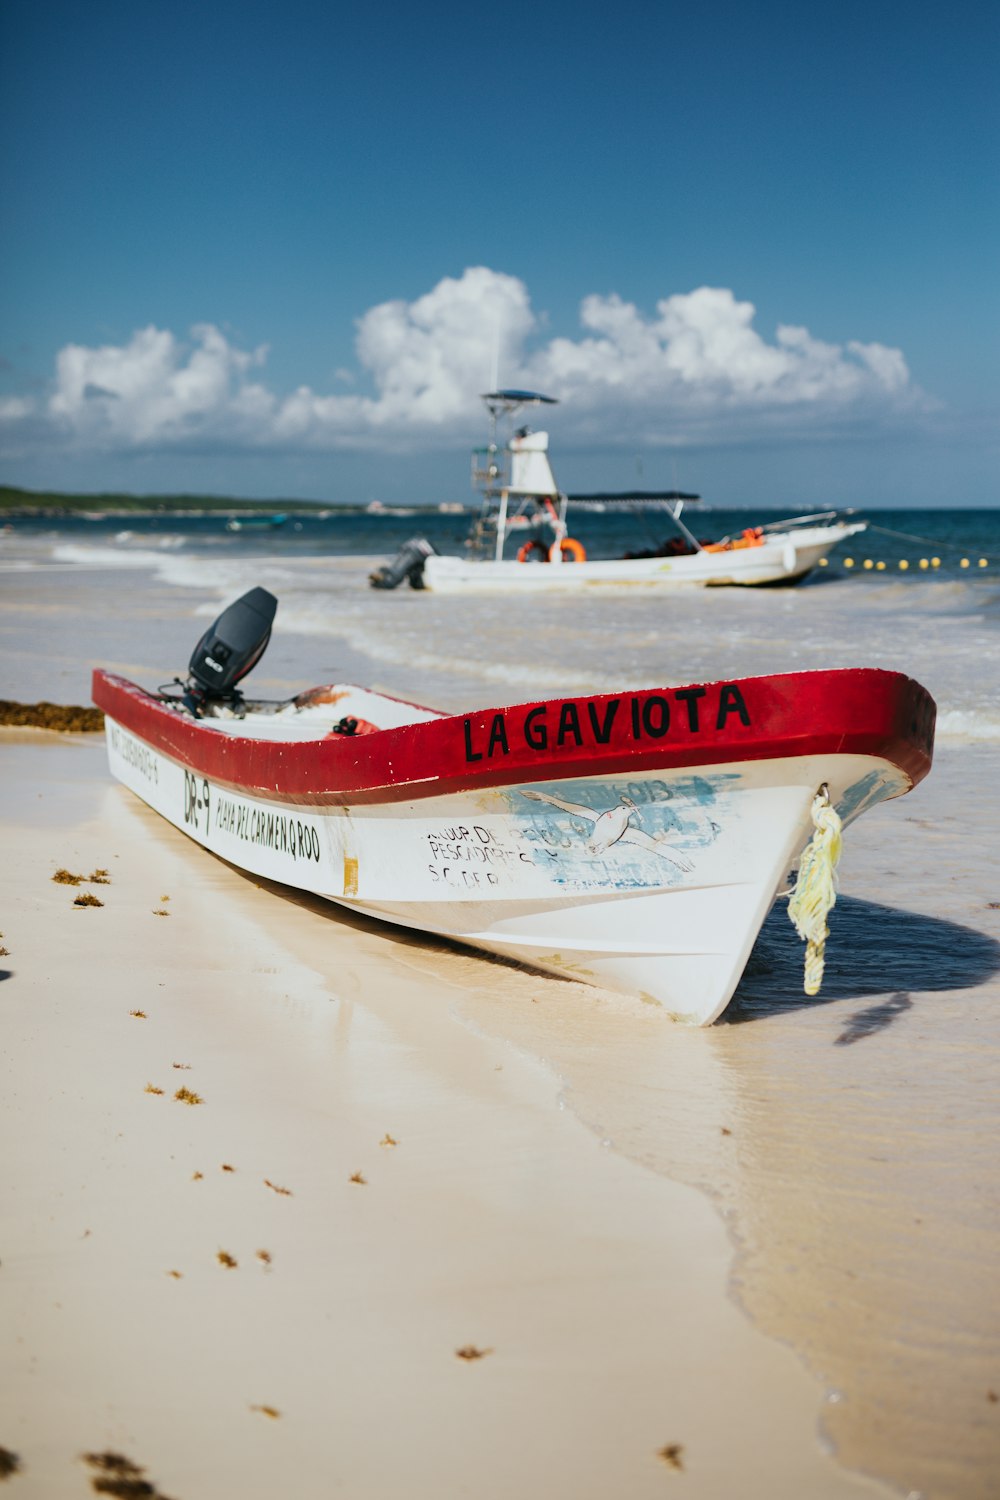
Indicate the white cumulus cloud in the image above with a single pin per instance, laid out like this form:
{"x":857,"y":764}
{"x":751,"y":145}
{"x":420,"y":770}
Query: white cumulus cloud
{"x":696,"y":367}
{"x":154,"y":389}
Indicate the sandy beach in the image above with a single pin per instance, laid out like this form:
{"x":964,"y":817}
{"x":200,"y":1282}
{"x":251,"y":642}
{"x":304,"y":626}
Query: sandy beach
{"x":302,"y":1204}
{"x":327,"y":1356}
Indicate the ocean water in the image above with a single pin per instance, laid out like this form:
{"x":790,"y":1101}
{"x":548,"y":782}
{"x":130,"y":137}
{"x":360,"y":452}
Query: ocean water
{"x":849,"y":1141}
{"x":938,"y":622}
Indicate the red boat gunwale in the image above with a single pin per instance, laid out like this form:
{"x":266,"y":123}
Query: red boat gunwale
{"x":854,"y":711}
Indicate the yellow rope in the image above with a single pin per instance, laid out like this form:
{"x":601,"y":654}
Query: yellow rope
{"x":816,"y":887}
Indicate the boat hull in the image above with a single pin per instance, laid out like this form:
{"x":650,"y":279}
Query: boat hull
{"x":652,"y":879}
{"x":783,"y":558}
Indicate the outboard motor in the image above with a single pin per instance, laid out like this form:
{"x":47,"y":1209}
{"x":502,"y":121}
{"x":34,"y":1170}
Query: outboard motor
{"x":408,"y":563}
{"x":227,"y":651}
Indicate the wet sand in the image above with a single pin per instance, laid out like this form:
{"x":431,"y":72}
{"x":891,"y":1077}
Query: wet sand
{"x":848,"y":1142}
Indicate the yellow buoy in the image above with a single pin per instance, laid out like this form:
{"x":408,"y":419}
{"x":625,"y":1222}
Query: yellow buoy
{"x":848,"y":562}
{"x":924,"y":563}
{"x":903,"y":564}
{"x":822,"y":562}
{"x":983,"y":562}
{"x":880,"y":566}
{"x":868,"y":563}
{"x":964,"y":563}
{"x":935,"y":562}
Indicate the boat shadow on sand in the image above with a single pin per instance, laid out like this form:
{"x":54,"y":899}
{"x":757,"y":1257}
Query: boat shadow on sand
{"x":873,"y":950}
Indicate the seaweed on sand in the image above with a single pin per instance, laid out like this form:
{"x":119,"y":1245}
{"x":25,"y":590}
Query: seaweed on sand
{"x":63,"y":717}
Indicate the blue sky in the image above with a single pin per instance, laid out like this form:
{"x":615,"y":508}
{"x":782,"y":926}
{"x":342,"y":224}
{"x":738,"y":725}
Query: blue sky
{"x":278,"y":250}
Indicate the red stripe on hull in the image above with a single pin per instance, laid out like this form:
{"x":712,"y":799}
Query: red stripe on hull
{"x":854,"y":712}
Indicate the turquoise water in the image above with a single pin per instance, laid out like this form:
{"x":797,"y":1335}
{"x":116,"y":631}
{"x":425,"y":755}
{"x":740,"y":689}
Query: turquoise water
{"x":893,"y":534}
{"x":938,"y":622}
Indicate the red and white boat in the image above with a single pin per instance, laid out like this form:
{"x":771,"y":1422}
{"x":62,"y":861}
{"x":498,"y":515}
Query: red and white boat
{"x":635,"y":840}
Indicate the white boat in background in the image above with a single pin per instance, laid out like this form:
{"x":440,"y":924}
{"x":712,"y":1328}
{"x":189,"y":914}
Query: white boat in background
{"x":519,"y":492}
{"x":635,"y":840}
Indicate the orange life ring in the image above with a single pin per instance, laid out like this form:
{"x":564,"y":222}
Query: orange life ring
{"x":528,"y":549}
{"x":568,"y":549}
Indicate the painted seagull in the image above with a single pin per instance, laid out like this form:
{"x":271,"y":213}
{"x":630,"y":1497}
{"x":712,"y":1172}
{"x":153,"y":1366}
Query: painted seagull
{"x":613,"y":826}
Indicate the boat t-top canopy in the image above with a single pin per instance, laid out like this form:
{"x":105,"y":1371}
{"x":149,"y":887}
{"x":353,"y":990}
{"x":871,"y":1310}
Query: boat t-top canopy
{"x":626,"y":499}
{"x":505,"y":402}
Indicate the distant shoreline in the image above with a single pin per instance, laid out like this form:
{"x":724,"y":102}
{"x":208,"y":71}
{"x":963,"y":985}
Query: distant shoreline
{"x":51,"y":502}
{"x":28,"y":503}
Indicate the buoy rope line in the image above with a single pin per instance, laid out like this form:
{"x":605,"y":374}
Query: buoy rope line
{"x":816,"y":887}
{"x":925,"y":564}
{"x":925,"y":541}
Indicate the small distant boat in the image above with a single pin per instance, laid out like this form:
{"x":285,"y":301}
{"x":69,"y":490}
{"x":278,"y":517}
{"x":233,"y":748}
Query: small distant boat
{"x":519,"y":492}
{"x":379,"y":508}
{"x":633,"y":840}
{"x":256,"y":523}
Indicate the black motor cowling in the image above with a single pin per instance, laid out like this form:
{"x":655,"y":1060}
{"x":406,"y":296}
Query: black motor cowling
{"x":408,"y":563}
{"x":228,"y":650}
